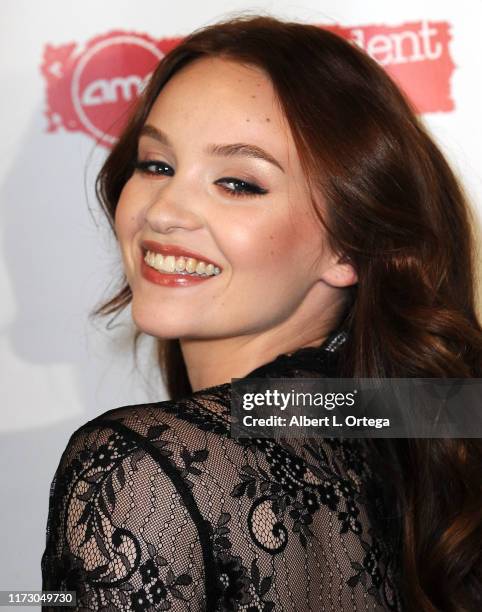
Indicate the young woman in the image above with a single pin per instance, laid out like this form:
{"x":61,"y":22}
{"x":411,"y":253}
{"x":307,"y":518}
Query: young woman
{"x":281,"y":212}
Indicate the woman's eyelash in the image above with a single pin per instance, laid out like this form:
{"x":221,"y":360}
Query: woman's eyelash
{"x":240,"y":187}
{"x":246,"y":188}
{"x":144,"y":166}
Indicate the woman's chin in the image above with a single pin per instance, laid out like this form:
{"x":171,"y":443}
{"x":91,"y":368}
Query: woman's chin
{"x":158,"y":329}
{"x":163,"y":325}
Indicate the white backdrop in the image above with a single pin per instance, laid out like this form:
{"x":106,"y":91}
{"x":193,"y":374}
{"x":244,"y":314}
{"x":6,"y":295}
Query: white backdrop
{"x":56,"y":369}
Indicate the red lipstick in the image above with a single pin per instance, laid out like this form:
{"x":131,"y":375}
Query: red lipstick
{"x":170,"y":279}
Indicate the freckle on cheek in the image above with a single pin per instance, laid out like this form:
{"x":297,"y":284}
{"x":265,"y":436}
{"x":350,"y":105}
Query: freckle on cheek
{"x":268,"y":119}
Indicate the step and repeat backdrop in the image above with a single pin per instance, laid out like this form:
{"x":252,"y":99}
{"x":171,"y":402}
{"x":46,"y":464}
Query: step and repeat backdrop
{"x":70,"y":72}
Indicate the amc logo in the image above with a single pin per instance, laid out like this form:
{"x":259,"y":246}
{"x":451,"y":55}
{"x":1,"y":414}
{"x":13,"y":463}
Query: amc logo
{"x":93,"y":90}
{"x":103,"y":91}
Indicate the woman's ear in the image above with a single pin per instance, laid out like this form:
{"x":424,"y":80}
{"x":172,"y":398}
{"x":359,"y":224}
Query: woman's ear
{"x":340,"y":273}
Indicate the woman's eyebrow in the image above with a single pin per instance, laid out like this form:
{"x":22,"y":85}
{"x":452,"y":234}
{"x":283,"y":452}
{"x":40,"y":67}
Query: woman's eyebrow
{"x":224,"y":150}
{"x":153,"y":132}
{"x":242,"y":149}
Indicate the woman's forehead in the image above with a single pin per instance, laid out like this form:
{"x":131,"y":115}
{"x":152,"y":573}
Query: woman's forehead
{"x":216,"y":88}
{"x":224,"y":100}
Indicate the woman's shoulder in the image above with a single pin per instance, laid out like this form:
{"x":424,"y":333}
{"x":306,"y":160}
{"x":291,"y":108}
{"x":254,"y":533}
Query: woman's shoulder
{"x":207,"y":410}
{"x":196,"y":420}
{"x":127,"y":521}
{"x":190,"y":440}
{"x":201,"y":421}
{"x":243,"y":504}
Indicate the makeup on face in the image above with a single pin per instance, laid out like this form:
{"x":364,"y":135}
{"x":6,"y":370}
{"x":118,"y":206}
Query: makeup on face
{"x":218,"y":205}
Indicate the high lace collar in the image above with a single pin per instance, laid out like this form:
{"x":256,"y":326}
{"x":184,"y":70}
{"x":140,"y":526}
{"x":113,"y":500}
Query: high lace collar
{"x":319,"y":359}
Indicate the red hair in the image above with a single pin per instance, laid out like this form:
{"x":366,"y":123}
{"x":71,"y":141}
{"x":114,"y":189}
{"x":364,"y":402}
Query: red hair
{"x":397,"y":212}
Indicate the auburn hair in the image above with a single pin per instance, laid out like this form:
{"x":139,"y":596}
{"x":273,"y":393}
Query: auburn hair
{"x":396,"y":211}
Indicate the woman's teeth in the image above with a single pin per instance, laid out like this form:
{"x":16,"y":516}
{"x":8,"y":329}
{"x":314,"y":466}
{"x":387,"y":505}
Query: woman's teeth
{"x":180,"y":265}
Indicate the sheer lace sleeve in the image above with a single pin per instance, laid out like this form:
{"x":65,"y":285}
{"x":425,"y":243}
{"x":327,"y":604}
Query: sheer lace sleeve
{"x":123,"y":530}
{"x":156,"y":507}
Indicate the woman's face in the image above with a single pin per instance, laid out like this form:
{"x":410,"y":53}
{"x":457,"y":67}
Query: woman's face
{"x":220,"y":176}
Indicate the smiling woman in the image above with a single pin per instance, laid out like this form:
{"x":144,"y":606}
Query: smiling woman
{"x":216,"y":182}
{"x":281,"y":212}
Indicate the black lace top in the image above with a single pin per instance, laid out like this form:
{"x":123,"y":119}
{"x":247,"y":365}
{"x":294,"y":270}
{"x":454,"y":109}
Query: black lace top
{"x":156,"y":507}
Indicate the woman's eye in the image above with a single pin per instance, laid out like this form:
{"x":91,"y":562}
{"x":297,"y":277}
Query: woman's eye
{"x":154,"y":167}
{"x":237,"y":187}
{"x":233,"y":186}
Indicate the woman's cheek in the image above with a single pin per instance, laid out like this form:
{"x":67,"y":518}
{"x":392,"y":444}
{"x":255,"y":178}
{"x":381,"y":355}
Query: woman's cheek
{"x":120,"y":215}
{"x":128,"y":218}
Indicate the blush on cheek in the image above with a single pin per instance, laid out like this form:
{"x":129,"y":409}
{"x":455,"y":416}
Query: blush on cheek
{"x":282,"y":245}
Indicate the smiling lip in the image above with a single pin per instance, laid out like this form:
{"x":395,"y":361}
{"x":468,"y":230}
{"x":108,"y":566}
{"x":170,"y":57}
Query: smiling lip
{"x":170,"y":279}
{"x":172,"y":249}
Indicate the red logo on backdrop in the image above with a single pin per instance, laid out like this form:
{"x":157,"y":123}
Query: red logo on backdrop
{"x":417,"y":57}
{"x":92,"y":89}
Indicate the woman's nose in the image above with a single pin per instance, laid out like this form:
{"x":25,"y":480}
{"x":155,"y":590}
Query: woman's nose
{"x":173,"y":208}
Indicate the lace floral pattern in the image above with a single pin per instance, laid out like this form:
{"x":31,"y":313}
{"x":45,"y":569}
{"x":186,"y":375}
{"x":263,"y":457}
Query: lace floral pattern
{"x":156,"y":507}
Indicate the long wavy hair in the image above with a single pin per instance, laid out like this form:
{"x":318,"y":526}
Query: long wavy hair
{"x":396,"y":211}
